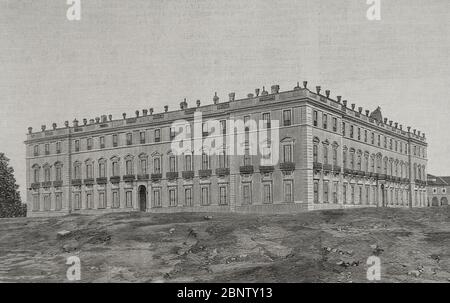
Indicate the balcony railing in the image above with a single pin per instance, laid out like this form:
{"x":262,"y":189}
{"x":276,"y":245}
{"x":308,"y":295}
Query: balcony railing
{"x":348,"y":171}
{"x":246,"y":169}
{"x":336,"y":169}
{"x":317,"y":166}
{"x":266,"y":169}
{"x":189,"y":174}
{"x":57,"y":183}
{"x":222,"y":171}
{"x":46,"y":184}
{"x":205,"y":173}
{"x":156,"y":177}
{"x":143,"y":177}
{"x":382,"y":177}
{"x":327,"y":167}
{"x":172,"y":175}
{"x":129,"y":178}
{"x":115,"y":179}
{"x":35,"y":185}
{"x":102,"y":180}
{"x":89,"y":181}
{"x":76,"y":182}
{"x":287,"y":166}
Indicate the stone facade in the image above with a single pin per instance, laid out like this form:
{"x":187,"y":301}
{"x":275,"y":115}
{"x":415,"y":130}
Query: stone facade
{"x":438,"y":191}
{"x":331,"y":156}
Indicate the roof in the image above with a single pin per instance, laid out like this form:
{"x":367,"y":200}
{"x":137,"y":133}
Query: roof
{"x":438,"y":181}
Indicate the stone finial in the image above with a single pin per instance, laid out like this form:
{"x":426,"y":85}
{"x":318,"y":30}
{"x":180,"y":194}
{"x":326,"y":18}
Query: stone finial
{"x":91,"y":121}
{"x":215,"y":98}
{"x":339,"y":98}
{"x":401,"y":127}
{"x":414,"y":131}
{"x":66,"y":123}
{"x":110,"y":117}
{"x":396,"y":124}
{"x":183,"y":104}
{"x":327,"y":93}
{"x":360,"y":109}
{"x":43,"y":127}
{"x":385,"y":120}
{"x":409,"y":129}
{"x":97,"y":120}
{"x":54,"y":126}
{"x":144,"y":112}
{"x":166,"y":108}
{"x":264,"y":92}
{"x":423,"y":135}
{"x":275,"y":89}
{"x":367,"y":112}
{"x":231,"y":96}
{"x":353,"y":106}
{"x":104,"y":118}
{"x":85,"y":121}
{"x":418,"y":133}
{"x":75,"y":123}
{"x":257,"y":92}
{"x":124,"y":115}
{"x":345,"y":103}
{"x":250,"y":95}
{"x":305,"y":84}
{"x":390,"y":122}
{"x":30,"y":130}
{"x":318,"y":90}
{"x":298,"y":86}
{"x":151,"y":110}
{"x":198,"y":103}
{"x":137,"y":113}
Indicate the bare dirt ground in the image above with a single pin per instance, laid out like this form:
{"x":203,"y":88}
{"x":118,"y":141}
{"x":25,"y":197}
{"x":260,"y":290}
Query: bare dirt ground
{"x":327,"y":246}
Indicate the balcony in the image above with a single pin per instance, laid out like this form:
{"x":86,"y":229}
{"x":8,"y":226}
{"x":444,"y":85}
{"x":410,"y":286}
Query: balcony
{"x":317,"y":166}
{"x":57,"y":183}
{"x":156,"y":177}
{"x":143,"y":177}
{"x":205,"y":173}
{"x":406,"y":180}
{"x":115,"y":179}
{"x":348,"y":171}
{"x":222,"y":171}
{"x":89,"y":181}
{"x":189,"y":174}
{"x":35,"y":185}
{"x":266,"y":169}
{"x":287,"y":166}
{"x":46,"y":184}
{"x":336,"y":169}
{"x":246,"y":169}
{"x":327,"y":167}
{"x":76,"y":182}
{"x":102,"y":180}
{"x":172,"y":175}
{"x":129,"y":178}
{"x":382,"y":177}
{"x":361,"y":173}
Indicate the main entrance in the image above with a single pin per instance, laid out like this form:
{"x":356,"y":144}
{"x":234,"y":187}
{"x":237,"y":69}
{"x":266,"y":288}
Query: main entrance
{"x":142,"y":198}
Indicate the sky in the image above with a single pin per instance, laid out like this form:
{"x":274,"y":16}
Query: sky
{"x":129,"y":55}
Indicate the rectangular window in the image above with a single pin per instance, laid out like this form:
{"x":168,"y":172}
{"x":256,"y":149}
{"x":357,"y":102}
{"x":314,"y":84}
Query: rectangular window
{"x":267,"y":193}
{"x":223,"y":163}
{"x":372,"y":138}
{"x":47,"y":202}
{"x":365,"y":136}
{"x":247,"y":194}
{"x":89,"y":171}
{"x":352,"y":193}
{"x":58,"y":201}
{"x":102,"y":170}
{"x":47,"y":149}
{"x":360,"y":196}
{"x":223,"y":127}
{"x":334,"y":124}
{"x":128,"y":167}
{"x":188,"y":197}
{"x":143,"y":166}
{"x":89,"y":143}
{"x":36,"y":150}
{"x":316,"y":191}
{"x":385,"y":142}
{"x":102,"y":142}
{"x":172,"y":133}
{"x":287,"y":153}
{"x":157,"y":165}
{"x":266,"y":119}
{"x":351,"y":131}
{"x":36,"y":206}
{"x":205,"y":131}
{"x":115,"y":169}
{"x":359,"y":134}
{"x":379,"y":140}
{"x":288,"y":197}
{"x":223,"y":195}
{"x":390,"y":144}
{"x":116,"y":199}
{"x":205,"y":161}
{"x":77,"y":145}
{"x":205,"y":195}
{"x":142,"y":137}
{"x":172,"y":164}
{"x":287,"y":115}
{"x":89,"y":201}
{"x":315,"y":118}
{"x":343,"y":129}
{"x":115,"y":140}
{"x":325,"y":192}
{"x":129,"y":199}
{"x":344,"y":193}
{"x":157,"y":198}
{"x":187,"y":162}
{"x":101,"y":200}
{"x":58,"y":147}
{"x":335,"y":192}
{"x":77,"y":201}
{"x":157,"y":135}
{"x":129,"y":138}
{"x":325,"y":121}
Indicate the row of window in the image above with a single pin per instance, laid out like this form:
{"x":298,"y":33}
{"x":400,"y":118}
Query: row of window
{"x":360,"y":134}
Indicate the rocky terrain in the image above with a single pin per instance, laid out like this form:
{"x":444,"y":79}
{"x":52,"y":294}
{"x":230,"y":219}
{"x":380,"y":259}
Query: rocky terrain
{"x":326,"y":246}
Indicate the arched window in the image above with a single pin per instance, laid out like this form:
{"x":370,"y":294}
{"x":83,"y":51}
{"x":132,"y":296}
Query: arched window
{"x":115,"y":167}
{"x":36,"y":173}
{"x":143,"y":163}
{"x":129,"y":169}
{"x":316,"y":150}
{"x":46,"y":173}
{"x":89,"y":169}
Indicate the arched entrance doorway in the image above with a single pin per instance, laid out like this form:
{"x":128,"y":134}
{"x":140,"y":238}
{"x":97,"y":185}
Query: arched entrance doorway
{"x":434,"y":201}
{"x":142,"y":198}
{"x":444,"y":201}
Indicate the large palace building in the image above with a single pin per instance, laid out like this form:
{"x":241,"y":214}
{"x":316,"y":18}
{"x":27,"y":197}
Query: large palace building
{"x":331,"y":155}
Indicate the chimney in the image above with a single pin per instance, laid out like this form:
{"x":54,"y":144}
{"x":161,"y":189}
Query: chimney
{"x":298,"y":86}
{"x":124,"y":115}
{"x":264,"y":92}
{"x":345,"y":103}
{"x":151,"y":111}
{"x":54,"y":126}
{"x":137,"y":113}
{"x":166,"y":108}
{"x":305,"y":84}
{"x":66,"y":123}
{"x":144,"y":112}
{"x":215,"y":98}
{"x":198,"y":103}
{"x":110,"y":117}
{"x":257,"y":92}
{"x":97,"y":120}
{"x":327,"y":93}
{"x":275,"y":89}
{"x":360,"y":109}
{"x":318,"y":90}
{"x":250,"y":95}
{"x":231,"y":96}
{"x":84,"y":121}
{"x":367,"y":112}
{"x":75,"y":123}
{"x":30,"y":130}
{"x":339,"y":99}
{"x":353,"y":106}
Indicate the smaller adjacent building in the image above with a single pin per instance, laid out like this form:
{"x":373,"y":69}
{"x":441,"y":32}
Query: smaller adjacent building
{"x":438,"y":190}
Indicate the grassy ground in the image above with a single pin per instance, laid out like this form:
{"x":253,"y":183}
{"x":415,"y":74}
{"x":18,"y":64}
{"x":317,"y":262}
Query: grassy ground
{"x":327,"y":246}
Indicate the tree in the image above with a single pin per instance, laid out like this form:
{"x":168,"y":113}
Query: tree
{"x":10,"y":202}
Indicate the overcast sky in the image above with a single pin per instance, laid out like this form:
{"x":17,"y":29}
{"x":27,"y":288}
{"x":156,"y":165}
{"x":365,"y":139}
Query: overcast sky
{"x":135,"y":54}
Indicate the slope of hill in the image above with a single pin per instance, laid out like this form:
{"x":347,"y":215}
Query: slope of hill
{"x":327,"y":246}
